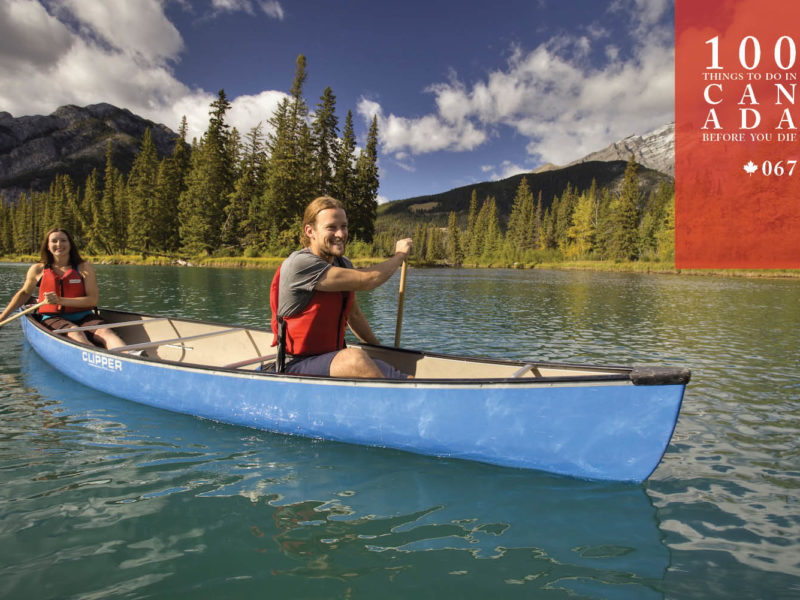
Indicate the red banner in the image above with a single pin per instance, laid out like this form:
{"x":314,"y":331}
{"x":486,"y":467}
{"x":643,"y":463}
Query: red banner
{"x":737,"y":142}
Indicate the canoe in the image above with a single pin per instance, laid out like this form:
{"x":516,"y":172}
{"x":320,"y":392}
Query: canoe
{"x":591,"y":422}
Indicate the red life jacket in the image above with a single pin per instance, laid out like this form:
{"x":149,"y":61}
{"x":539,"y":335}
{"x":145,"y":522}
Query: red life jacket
{"x":318,"y":328}
{"x":69,"y":285}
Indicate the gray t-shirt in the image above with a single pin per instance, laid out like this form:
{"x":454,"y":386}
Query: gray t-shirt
{"x":300,"y":274}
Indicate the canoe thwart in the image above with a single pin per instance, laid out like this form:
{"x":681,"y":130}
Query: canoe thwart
{"x":660,"y":376}
{"x":173,"y":340}
{"x":109,"y":325}
{"x":525,"y":368}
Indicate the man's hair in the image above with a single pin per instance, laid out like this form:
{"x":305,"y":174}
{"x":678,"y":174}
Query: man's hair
{"x":312,"y":210}
{"x":47,"y":256}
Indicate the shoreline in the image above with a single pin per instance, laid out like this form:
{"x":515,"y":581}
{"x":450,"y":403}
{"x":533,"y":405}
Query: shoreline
{"x":652,"y":268}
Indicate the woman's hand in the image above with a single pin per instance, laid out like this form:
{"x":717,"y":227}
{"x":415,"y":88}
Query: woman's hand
{"x":51,"y":298}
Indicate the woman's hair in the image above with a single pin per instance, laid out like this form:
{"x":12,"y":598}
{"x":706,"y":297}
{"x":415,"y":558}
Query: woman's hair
{"x":312,"y":210}
{"x":47,"y":256}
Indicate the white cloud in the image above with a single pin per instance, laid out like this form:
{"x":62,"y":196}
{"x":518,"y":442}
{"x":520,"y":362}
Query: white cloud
{"x":421,"y":135}
{"x":29,"y":36}
{"x":87,"y":51}
{"x":569,"y":96}
{"x":504,"y":170}
{"x":135,"y":28}
{"x":271,"y":8}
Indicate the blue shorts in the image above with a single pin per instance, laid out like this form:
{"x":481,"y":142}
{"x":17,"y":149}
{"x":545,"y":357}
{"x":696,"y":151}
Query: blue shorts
{"x":320,"y":366}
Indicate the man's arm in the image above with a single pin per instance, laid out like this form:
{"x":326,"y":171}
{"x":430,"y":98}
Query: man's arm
{"x":337,"y":279}
{"x":359,"y":325}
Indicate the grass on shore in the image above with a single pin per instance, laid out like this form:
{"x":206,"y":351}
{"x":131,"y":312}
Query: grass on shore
{"x":274,"y":262}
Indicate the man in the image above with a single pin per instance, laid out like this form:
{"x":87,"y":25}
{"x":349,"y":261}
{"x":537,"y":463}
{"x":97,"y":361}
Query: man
{"x":313,"y":300}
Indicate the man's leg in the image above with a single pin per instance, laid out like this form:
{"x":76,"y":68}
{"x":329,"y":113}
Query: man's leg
{"x":355,"y":362}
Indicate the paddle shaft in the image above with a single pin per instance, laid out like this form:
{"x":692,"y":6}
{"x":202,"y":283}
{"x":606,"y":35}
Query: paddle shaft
{"x":400,"y":299}
{"x":20,"y":313}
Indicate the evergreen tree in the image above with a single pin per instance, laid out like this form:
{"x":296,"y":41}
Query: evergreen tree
{"x":172,"y":173}
{"x":344,"y":176}
{"x":325,"y":133}
{"x":366,"y":187}
{"x":143,"y":210}
{"x":420,"y":238}
{"x":209,"y":184}
{"x":563,"y":217}
{"x":625,"y":236}
{"x":290,"y":176}
{"x":241,"y":228}
{"x":473,"y":212}
{"x":493,"y":239}
{"x":581,"y":232}
{"x":108,"y":226}
{"x":91,"y":211}
{"x":455,"y":252}
{"x":24,"y":231}
{"x":520,"y":232}
{"x":665,"y":236}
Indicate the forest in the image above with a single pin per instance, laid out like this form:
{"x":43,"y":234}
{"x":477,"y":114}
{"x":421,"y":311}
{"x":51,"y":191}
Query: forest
{"x":232,"y":195}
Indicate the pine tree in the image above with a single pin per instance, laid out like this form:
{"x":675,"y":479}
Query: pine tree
{"x":366,"y":187}
{"x":108,"y":226}
{"x":563,"y":217}
{"x":290,"y":169}
{"x":91,"y":211}
{"x":581,"y":231}
{"x":241,"y":228}
{"x":520,"y":232}
{"x":325,"y":133}
{"x":143,"y":210}
{"x":625,"y":236}
{"x":455,"y":251}
{"x":343,"y":187}
{"x":172,"y":173}
{"x":665,"y":236}
{"x":209,"y":184}
{"x":493,"y":239}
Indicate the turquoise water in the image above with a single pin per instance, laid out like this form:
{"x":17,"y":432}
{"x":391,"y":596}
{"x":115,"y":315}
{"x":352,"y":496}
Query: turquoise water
{"x":103,"y":498}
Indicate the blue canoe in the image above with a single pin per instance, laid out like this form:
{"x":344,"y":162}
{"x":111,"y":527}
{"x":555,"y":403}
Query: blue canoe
{"x":604,"y":423}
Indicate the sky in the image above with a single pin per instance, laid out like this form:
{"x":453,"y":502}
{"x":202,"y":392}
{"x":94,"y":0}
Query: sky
{"x":464,"y":91}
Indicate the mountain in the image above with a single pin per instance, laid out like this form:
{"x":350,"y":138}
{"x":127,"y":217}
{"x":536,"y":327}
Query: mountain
{"x":71,"y":141}
{"x":437,"y":207}
{"x":655,"y":150}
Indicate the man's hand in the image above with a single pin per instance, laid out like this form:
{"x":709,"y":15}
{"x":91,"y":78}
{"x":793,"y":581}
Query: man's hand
{"x":404,"y":246}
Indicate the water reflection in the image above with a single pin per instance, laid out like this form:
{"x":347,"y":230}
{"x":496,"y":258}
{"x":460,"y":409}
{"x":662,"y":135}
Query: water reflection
{"x":121,"y":471}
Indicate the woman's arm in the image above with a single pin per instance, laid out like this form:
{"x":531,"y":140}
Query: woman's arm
{"x":27,"y":290}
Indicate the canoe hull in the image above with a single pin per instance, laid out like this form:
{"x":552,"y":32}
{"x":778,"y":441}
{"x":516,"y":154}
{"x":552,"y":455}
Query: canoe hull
{"x":603,"y":430}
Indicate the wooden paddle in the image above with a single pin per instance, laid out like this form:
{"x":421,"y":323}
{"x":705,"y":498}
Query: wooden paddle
{"x":20,"y":313}
{"x":400,"y":299}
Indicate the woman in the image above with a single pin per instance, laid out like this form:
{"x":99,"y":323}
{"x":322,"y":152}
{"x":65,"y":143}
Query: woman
{"x":68,"y":285}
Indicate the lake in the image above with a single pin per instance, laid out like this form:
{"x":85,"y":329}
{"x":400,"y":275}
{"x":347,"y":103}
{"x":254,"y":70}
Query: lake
{"x":104,"y":498}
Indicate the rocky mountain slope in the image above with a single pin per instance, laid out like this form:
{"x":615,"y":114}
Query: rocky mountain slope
{"x":654,"y":150}
{"x":72,"y":140}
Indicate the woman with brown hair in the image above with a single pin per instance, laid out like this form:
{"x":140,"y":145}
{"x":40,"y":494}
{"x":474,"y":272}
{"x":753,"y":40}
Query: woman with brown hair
{"x":68,"y":286}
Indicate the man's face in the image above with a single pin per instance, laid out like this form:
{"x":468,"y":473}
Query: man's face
{"x":328,"y":234}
